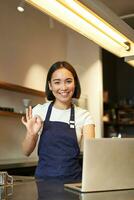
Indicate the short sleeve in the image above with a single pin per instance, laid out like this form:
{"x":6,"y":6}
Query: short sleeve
{"x":83,"y":117}
{"x":40,"y":110}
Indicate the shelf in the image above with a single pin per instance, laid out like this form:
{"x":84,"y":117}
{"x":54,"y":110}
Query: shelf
{"x":21,"y":89}
{"x":17,"y":163}
{"x":119,"y":123}
{"x":118,"y":107}
{"x":10,"y":114}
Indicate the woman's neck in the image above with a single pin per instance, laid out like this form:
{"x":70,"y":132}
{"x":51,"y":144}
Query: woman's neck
{"x":62,"y":106}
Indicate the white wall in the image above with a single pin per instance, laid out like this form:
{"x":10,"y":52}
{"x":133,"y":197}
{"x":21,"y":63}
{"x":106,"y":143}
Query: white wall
{"x":28,"y":46}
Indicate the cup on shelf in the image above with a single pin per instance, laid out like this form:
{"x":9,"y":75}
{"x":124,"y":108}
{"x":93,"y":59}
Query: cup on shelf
{"x":26,"y":103}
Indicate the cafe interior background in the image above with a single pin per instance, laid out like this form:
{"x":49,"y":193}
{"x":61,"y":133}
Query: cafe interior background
{"x":30,"y":42}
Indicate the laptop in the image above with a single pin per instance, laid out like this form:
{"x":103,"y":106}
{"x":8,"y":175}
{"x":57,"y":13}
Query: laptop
{"x":108,"y":164}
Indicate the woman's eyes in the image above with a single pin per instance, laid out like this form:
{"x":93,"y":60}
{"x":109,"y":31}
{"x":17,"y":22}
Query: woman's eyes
{"x":69,"y":81}
{"x":59,"y":82}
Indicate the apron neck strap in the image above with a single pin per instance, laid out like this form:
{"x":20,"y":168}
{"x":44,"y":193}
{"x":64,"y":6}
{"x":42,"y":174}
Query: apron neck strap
{"x":49,"y":111}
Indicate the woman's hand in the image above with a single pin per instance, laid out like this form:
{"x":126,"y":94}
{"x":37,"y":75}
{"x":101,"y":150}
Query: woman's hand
{"x":32,"y":124}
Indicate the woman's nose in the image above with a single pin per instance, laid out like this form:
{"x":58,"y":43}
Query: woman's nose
{"x":64,"y":86}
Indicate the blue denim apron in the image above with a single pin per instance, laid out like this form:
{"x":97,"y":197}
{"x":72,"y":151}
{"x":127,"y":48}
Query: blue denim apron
{"x":58,"y":150}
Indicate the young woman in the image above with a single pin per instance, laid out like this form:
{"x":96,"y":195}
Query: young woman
{"x":60,"y":124}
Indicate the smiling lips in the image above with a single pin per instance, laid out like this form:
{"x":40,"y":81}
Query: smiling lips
{"x":64,"y":94}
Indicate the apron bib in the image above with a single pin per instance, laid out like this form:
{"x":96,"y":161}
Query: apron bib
{"x":58,"y":149}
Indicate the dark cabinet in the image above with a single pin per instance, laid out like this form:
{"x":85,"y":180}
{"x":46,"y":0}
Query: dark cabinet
{"x":118,"y":87}
{"x":118,"y":121}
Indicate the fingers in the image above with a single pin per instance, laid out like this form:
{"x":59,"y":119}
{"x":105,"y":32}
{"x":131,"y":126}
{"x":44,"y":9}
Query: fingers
{"x":23,"y":119}
{"x":38,"y":119}
{"x":29,"y":113}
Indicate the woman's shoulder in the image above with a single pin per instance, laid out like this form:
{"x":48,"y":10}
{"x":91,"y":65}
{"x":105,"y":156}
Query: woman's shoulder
{"x":81,"y":111}
{"x":41,"y":110}
{"x":41,"y":106}
{"x":83,"y":116}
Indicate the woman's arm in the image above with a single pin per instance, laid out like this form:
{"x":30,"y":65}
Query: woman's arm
{"x":29,"y":143}
{"x":33,"y":125}
{"x":89,"y":131}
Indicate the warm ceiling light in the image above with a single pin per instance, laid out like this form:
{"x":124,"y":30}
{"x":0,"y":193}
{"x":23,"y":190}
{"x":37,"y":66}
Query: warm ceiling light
{"x":130,"y":60}
{"x":21,"y":5}
{"x":78,"y":16}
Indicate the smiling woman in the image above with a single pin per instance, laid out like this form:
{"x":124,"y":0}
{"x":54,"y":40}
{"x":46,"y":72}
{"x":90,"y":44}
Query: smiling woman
{"x":60,"y":124}
{"x":63,"y":77}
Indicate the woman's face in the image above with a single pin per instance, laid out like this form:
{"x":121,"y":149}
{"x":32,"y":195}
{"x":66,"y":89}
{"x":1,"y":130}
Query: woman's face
{"x":62,"y":85}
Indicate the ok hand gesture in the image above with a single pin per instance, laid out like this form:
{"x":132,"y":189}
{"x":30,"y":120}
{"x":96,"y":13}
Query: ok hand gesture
{"x":32,"y":124}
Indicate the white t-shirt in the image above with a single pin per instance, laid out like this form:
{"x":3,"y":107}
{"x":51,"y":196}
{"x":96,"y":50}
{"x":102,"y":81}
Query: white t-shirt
{"x":82,"y":117}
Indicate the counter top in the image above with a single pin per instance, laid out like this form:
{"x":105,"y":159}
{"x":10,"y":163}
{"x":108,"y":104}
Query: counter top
{"x":30,"y":189}
{"x":16,"y":163}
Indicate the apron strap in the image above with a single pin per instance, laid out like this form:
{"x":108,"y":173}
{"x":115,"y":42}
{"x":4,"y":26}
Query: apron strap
{"x":72,"y":117}
{"x":49,"y":112}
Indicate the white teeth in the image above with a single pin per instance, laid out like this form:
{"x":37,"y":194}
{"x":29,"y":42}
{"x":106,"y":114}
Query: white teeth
{"x":64,"y":94}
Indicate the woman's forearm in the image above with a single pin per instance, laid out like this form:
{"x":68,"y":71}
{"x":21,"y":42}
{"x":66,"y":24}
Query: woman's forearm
{"x":29,"y":143}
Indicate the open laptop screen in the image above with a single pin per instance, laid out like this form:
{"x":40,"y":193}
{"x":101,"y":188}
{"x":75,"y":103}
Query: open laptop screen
{"x":108,"y":164}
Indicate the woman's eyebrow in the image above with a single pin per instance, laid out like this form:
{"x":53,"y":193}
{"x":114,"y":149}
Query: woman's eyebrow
{"x":58,"y":79}
{"x":70,"y":78}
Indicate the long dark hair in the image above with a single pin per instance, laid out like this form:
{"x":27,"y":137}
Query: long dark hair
{"x":59,"y":65}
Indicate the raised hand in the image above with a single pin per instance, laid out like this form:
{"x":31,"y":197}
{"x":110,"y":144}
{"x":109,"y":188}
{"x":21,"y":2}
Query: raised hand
{"x":32,"y":124}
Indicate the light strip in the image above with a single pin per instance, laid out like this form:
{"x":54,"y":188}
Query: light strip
{"x":95,"y":21}
{"x":78,"y":17}
{"x":130,"y":60}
